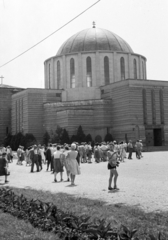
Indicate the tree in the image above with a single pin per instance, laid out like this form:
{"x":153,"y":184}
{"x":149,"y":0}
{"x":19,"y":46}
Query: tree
{"x":56,"y":135}
{"x":98,"y":139}
{"x":65,"y":137}
{"x":80,"y":135}
{"x":29,"y":140}
{"x":73,"y":138}
{"x":46,"y":138}
{"x":7,"y":140}
{"x":88,"y":138}
{"x":19,"y":139}
{"x":108,"y":137}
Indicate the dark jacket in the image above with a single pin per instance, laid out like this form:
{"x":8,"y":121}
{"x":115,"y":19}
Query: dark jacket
{"x":3,"y":164}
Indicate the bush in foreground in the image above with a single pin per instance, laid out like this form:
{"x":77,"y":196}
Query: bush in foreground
{"x":47,"y":217}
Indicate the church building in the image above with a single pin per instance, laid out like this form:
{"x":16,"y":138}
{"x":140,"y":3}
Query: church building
{"x":97,"y":81}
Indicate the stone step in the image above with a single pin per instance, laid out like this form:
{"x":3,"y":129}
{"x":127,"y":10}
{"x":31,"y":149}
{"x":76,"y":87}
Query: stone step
{"x":155,"y":148}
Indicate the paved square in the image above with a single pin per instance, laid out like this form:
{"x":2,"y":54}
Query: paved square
{"x":142,"y":183}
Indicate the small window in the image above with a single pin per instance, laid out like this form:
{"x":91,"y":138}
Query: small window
{"x":143,"y":73}
{"x":58,"y":94}
{"x":135,"y":69}
{"x":88,"y":72}
{"x":122,"y":66}
{"x":58,"y":75}
{"x":72,"y":73}
{"x":106,"y":70}
{"x":49,"y":73}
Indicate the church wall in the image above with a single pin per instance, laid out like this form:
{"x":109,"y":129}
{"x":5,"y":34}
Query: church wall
{"x":157,"y":103}
{"x":27,"y":110}
{"x":36,"y":111}
{"x":97,"y":59}
{"x":6,"y":110}
{"x":76,"y":94}
{"x":126,"y":116}
{"x":94,"y":117}
{"x":149,"y":106}
{"x":165,"y":106}
{"x":128,"y":108}
{"x":20,"y":113}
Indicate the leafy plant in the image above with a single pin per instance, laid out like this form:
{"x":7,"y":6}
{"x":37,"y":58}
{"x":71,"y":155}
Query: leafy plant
{"x":47,"y":217}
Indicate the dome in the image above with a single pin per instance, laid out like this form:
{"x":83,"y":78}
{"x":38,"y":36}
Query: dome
{"x":94,"y":39}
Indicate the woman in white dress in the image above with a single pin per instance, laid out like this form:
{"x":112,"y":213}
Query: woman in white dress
{"x":72,"y":163}
{"x":122,"y":151}
{"x":65,"y":161}
{"x":42,"y":150}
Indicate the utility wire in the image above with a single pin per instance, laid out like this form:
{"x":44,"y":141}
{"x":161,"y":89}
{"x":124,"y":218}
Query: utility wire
{"x":50,"y":34}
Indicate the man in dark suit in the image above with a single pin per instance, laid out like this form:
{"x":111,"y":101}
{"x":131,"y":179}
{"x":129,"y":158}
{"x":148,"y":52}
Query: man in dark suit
{"x":4,"y":166}
{"x":34,"y":158}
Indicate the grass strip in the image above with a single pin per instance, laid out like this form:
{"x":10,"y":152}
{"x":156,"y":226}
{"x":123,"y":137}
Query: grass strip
{"x":117,"y":214}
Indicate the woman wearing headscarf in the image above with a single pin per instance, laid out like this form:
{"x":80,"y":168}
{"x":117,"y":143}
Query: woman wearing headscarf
{"x":73,"y":164}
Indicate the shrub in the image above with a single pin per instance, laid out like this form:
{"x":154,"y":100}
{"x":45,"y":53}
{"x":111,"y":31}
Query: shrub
{"x":47,"y":217}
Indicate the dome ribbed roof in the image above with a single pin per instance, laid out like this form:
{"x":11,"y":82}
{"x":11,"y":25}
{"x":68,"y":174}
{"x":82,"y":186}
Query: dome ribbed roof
{"x":94,"y":39}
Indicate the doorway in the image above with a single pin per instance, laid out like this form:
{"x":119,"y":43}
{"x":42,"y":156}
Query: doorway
{"x":157,"y":136}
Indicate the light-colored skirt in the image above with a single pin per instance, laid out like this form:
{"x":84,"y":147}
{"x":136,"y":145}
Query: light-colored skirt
{"x":73,"y":167}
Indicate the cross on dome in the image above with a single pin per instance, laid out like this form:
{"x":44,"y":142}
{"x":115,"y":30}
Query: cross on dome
{"x":94,"y":25}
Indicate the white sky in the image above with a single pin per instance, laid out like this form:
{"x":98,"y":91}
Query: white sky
{"x":143,"y":24}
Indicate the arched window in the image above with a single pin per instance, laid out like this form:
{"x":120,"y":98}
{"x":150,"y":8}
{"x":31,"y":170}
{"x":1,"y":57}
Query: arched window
{"x":122,"y":66}
{"x":72,"y":73}
{"x":88,"y":72}
{"x":106,"y":70}
{"x":49,"y":77}
{"x":143,"y":75}
{"x":135,"y":69}
{"x":58,"y":74}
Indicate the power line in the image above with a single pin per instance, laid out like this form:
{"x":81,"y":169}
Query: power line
{"x":50,"y":34}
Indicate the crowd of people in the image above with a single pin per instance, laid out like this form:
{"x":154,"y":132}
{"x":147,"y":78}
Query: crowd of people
{"x":56,"y":157}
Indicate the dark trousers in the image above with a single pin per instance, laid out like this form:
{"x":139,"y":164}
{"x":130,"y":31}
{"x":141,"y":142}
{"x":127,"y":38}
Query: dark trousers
{"x":50,"y":162}
{"x":130,"y":150}
{"x":40,"y":162}
{"x":35,"y":161}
